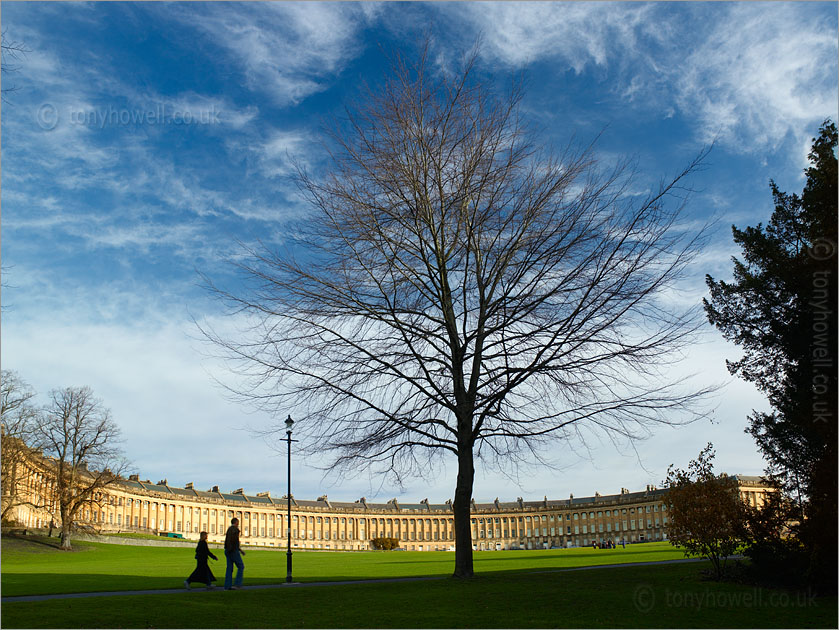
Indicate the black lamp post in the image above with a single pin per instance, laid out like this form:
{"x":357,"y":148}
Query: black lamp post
{"x":288,"y":424}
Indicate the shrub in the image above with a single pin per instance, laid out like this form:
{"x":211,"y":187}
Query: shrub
{"x":385,"y":543}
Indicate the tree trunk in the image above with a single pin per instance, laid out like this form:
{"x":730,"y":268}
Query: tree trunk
{"x":65,"y":530}
{"x":462,"y":508}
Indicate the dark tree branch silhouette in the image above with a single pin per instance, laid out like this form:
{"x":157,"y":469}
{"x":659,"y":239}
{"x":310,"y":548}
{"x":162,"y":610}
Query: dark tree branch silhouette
{"x":459,"y":292}
{"x":10,"y":51}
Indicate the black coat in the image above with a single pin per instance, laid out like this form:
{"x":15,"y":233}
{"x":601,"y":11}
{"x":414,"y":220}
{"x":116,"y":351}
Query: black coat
{"x":202,"y":571}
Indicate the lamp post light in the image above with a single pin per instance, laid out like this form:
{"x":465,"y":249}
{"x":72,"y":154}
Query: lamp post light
{"x":288,"y":424}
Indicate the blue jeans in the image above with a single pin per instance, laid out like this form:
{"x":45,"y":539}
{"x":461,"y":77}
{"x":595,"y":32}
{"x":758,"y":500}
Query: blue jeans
{"x":233,"y":557}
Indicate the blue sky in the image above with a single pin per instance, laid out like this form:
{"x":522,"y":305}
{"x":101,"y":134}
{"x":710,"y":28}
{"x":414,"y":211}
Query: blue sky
{"x":144,"y":141}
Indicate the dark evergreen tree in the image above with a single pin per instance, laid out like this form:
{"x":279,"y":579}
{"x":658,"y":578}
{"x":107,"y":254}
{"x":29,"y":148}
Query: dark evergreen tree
{"x":781,"y":308}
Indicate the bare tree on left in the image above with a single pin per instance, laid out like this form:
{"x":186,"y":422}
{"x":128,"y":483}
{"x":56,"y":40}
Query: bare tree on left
{"x":77,"y":431}
{"x":17,"y":418}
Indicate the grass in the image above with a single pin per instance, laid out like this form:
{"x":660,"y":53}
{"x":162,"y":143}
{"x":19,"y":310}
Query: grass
{"x":506,"y":593}
{"x":103,"y":567}
{"x":669,"y":596}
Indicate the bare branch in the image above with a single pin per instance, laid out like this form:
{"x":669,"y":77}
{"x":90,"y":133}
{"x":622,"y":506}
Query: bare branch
{"x":460,"y":290}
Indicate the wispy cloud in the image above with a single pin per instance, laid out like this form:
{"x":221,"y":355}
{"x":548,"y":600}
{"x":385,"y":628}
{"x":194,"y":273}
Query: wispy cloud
{"x":760,"y":73}
{"x":747,"y":74}
{"x":580,"y":34}
{"x":287,"y":49}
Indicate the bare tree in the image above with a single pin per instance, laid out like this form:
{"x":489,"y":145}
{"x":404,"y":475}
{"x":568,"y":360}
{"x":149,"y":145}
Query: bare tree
{"x":78,"y":432}
{"x":460,"y":292}
{"x":17,"y":417}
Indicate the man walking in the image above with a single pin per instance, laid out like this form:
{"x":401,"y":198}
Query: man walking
{"x":234,"y":554}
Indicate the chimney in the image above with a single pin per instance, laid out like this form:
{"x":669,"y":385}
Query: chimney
{"x":188,"y":486}
{"x":263,"y":494}
{"x":163,"y":482}
{"x":134,"y":478}
{"x":215,"y":489}
{"x":238,"y":491}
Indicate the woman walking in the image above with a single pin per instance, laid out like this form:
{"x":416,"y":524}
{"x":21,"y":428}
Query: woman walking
{"x":202,"y":571}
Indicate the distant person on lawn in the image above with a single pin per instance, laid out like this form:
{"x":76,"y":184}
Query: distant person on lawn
{"x":202,"y":571}
{"x":233,"y":552}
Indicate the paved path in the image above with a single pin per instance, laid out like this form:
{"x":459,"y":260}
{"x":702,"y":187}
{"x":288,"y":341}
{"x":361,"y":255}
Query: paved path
{"x":169,"y":591}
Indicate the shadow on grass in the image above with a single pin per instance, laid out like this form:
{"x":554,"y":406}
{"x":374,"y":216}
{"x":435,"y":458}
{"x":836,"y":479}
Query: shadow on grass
{"x":667,"y":596}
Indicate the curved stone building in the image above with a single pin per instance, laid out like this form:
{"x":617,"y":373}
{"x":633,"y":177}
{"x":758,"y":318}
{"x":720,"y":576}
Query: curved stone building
{"x":134,"y":505}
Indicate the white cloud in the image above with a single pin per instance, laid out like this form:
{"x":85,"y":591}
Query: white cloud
{"x":580,"y":34}
{"x":763,"y":71}
{"x":750,"y":72}
{"x":287,"y":49}
{"x":178,"y":424}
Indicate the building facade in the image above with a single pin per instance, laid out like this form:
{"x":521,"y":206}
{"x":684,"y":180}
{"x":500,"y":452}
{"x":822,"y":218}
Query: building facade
{"x":134,"y":505}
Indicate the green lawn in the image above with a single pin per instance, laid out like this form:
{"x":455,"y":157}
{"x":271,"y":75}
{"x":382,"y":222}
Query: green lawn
{"x":669,"y":596}
{"x":103,"y":567}
{"x":507,"y":593}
